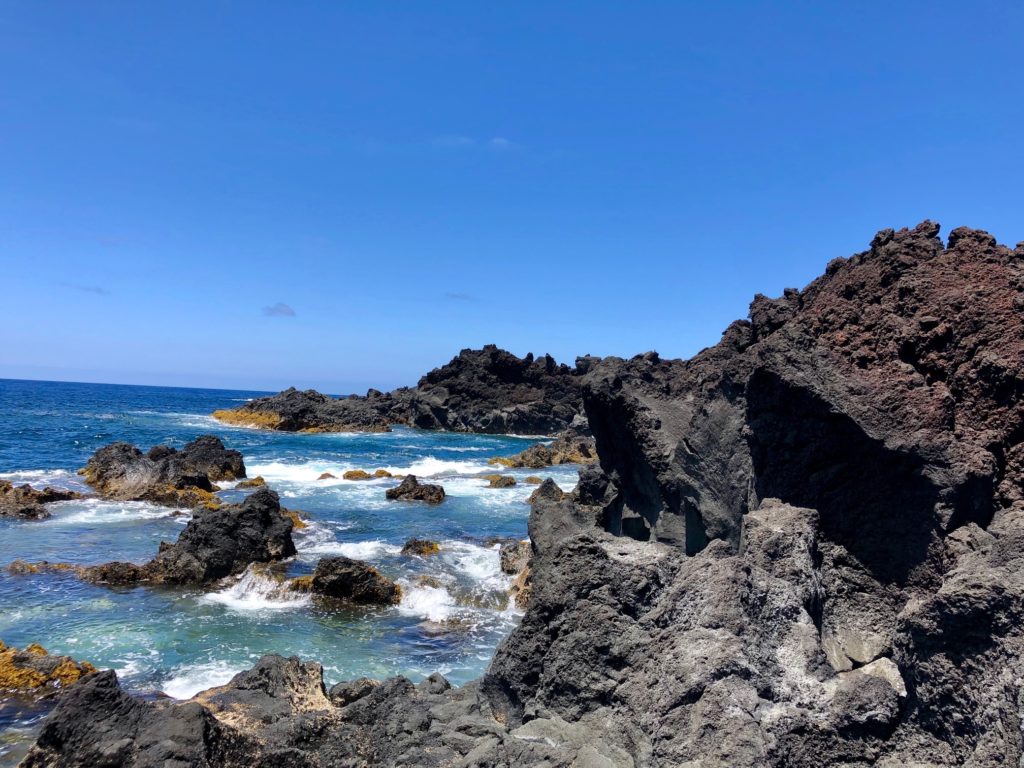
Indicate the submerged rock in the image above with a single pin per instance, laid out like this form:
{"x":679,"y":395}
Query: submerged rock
{"x":420,"y":547}
{"x":487,"y":390}
{"x":27,"y":503}
{"x":410,"y":489}
{"x":34,"y":671}
{"x":164,"y":475}
{"x":355,"y":581}
{"x":567,"y":448}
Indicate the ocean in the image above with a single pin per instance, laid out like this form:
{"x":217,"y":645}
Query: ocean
{"x":181,"y":641}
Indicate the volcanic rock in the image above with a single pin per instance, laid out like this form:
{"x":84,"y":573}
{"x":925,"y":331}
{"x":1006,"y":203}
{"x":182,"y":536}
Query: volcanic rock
{"x":487,"y":390}
{"x":410,"y":489}
{"x":27,"y":503}
{"x":215,"y":543}
{"x":34,"y":671}
{"x":567,"y":448}
{"x":420,"y":547}
{"x":352,"y":580}
{"x":164,"y":475}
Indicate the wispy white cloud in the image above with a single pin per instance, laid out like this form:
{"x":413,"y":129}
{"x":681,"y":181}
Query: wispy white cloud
{"x":496,"y":143}
{"x":98,"y":290}
{"x":280,"y":309}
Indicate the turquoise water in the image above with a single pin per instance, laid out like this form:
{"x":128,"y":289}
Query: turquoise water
{"x":182,"y":641}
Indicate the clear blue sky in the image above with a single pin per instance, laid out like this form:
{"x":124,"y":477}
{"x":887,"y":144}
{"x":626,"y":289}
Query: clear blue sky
{"x":409,"y":178}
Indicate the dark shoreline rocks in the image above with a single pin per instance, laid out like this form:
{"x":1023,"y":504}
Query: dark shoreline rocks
{"x":354,"y":581}
{"x":24,"y":502}
{"x":216,"y":543}
{"x":164,"y":475}
{"x":411,"y":489}
{"x":566,"y":448}
{"x":421,"y":547}
{"x":487,"y":390}
{"x":34,"y":672}
{"x":802,"y":547}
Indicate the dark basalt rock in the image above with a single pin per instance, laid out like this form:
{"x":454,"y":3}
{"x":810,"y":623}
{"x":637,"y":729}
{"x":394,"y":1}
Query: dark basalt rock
{"x":27,"y":503}
{"x":215,"y":543}
{"x":514,"y":556}
{"x":164,"y":475}
{"x":421,"y":547}
{"x":352,"y":580}
{"x":802,"y":547}
{"x":410,"y":489}
{"x":487,"y":390}
{"x":566,"y":448}
{"x":34,"y":672}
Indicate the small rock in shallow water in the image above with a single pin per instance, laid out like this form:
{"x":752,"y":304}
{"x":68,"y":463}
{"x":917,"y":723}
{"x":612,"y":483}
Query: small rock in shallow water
{"x":352,"y":580}
{"x":421,"y":547}
{"x":412,"y":490}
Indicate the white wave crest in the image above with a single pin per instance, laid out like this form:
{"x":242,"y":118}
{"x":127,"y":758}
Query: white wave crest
{"x":357,"y":550}
{"x":190,"y":679}
{"x":99,"y":511}
{"x":430,"y":466}
{"x":257,"y":592}
{"x":430,"y":603}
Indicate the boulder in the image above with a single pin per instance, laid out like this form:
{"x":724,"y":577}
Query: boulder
{"x":35,"y":672}
{"x":164,"y":475}
{"x":421,"y":547}
{"x":356,"y":474}
{"x":256,"y":482}
{"x":215,"y":543}
{"x":514,"y":556}
{"x":410,"y":489}
{"x":499,"y":481}
{"x":566,"y":448}
{"x":327,"y":476}
{"x":27,"y":503}
{"x":355,"y":581}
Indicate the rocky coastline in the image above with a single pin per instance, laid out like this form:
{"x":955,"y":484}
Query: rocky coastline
{"x":803,"y":546}
{"x":486,"y":390}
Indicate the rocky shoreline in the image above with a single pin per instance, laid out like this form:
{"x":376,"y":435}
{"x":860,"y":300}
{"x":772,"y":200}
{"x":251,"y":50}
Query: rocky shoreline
{"x":802,"y":547}
{"x":487,"y":390}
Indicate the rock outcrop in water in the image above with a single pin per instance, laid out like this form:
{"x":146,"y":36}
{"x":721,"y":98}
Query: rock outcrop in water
{"x":164,"y":475}
{"x":802,"y":547}
{"x":35,"y":672}
{"x":487,"y":390}
{"x":411,"y":489}
{"x":347,"y":579}
{"x":566,"y":448}
{"x":24,"y":502}
{"x":215,"y":543}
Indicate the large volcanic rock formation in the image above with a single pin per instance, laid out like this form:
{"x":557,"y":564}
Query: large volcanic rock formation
{"x":486,"y":390}
{"x":216,"y":543}
{"x":802,"y":547}
{"x":164,"y":475}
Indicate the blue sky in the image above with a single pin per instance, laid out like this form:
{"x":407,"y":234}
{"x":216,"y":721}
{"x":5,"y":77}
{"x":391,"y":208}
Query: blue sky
{"x":342,"y":195}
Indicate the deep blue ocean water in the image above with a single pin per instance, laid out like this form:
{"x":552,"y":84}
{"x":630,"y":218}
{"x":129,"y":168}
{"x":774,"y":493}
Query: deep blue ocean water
{"x":178,"y":641}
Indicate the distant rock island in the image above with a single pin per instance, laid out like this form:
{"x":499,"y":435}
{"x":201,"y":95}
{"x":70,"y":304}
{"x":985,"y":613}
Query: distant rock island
{"x":484,"y":390}
{"x":802,"y":547}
